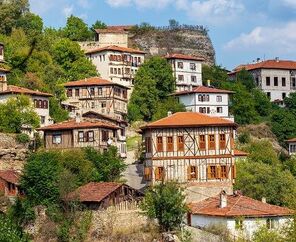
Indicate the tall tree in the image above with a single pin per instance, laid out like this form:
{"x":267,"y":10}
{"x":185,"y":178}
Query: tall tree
{"x":76,"y":29}
{"x":246,"y":79}
{"x":98,"y":25}
{"x":31,"y":23}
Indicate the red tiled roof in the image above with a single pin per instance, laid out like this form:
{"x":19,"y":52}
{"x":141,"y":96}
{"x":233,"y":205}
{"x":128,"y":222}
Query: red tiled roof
{"x":93,"y":191}
{"x":22,"y":90}
{"x":240,"y":153}
{"x":115,"y":48}
{"x":184,"y":57}
{"x":115,"y":29}
{"x":10,"y":176}
{"x":203,"y":89}
{"x":189,"y":119}
{"x":237,"y":205}
{"x":92,"y":81}
{"x":268,"y":64}
{"x":291,"y":140}
{"x":72,"y":124}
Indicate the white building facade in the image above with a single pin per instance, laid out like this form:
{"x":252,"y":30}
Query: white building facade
{"x":291,"y":146}
{"x":117,"y":64}
{"x":207,"y":100}
{"x":277,"y":78}
{"x":240,"y":215}
{"x":187,"y":70}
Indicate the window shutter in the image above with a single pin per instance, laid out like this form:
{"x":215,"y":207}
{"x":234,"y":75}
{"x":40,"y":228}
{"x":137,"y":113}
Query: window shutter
{"x":156,"y":173}
{"x":227,"y":172}
{"x":196,"y":172}
{"x":218,"y":172}
{"x":209,"y":172}
{"x":147,"y":173}
{"x":233,"y":171}
{"x":189,"y":172}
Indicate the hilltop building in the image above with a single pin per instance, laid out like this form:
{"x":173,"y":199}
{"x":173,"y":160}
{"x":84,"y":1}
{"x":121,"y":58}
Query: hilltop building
{"x":98,"y":95}
{"x":207,"y":100}
{"x":277,"y":78}
{"x":187,"y":70}
{"x":291,"y":146}
{"x":117,"y":64}
{"x":241,"y":215}
{"x":39,"y":99}
{"x":113,"y":35}
{"x":84,"y":132}
{"x":191,"y":148}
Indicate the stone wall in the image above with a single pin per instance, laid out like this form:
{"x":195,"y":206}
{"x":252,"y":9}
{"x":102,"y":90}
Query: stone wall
{"x":12,"y":154}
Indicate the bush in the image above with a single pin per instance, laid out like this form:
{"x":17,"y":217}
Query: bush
{"x":22,"y":138}
{"x":244,"y":138}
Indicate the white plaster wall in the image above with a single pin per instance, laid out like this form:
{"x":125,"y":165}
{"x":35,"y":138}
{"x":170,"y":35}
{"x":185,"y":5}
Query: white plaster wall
{"x":290,"y":148}
{"x":119,"y":39}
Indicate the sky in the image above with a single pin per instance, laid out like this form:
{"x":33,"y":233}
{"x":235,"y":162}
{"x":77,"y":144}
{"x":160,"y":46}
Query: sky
{"x":241,"y":30}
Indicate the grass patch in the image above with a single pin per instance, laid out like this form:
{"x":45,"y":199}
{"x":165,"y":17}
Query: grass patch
{"x":132,"y":142}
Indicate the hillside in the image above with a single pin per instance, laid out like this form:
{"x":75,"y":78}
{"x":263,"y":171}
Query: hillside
{"x":160,"y":41}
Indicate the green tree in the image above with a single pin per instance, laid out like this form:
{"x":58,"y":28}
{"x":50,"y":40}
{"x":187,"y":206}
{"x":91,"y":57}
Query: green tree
{"x":257,"y":180}
{"x":56,"y":112}
{"x":168,"y":105}
{"x":31,"y":23}
{"x":109,"y":166}
{"x":262,"y":103}
{"x":166,"y":203}
{"x":216,"y":74}
{"x":98,"y":25}
{"x":290,"y":102}
{"x":17,"y":112}
{"x":154,"y":81}
{"x":264,"y":234}
{"x":76,"y":29}
{"x":246,"y":79}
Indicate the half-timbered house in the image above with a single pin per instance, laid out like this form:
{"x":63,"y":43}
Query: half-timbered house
{"x":99,"y":95}
{"x":189,"y":148}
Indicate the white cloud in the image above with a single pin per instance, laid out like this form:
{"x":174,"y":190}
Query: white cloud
{"x":272,"y":40}
{"x":118,"y":3}
{"x":290,"y":3}
{"x":159,"y":4}
{"x":68,"y":10}
{"x":83,"y":3}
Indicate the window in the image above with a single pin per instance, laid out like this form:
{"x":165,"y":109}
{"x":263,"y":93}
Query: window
{"x":104,"y":104}
{"x":267,"y":81}
{"x":270,"y":223}
{"x":212,"y":172}
{"x":212,"y":142}
{"x":180,"y":78}
{"x":192,"y":66}
{"x":80,"y":136}
{"x":284,"y":95}
{"x":42,"y":119}
{"x":92,"y":104}
{"x":147,"y":173}
{"x":219,"y":110}
{"x":238,"y":223}
{"x":92,"y":91}
{"x":293,"y":81}
{"x":224,"y":172}
{"x":203,"y":98}
{"x":45,"y":104}
{"x":111,"y":70}
{"x":159,"y":173}
{"x":219,"y":99}
{"x":202,"y":142}
{"x":90,"y":136}
{"x":268,"y":94}
{"x":202,"y":110}
{"x":148,"y":144}
{"x":159,"y":144}
{"x":170,"y":144}
{"x":275,"y":81}
{"x":105,"y":135}
{"x":119,"y":71}
{"x":35,"y":103}
{"x":40,"y":103}
{"x":115,"y":71}
{"x":57,"y":139}
{"x":283,"y":81}
{"x":222,"y":141}
{"x":193,"y":78}
{"x":69,"y":93}
{"x":180,"y":65}
{"x":180,"y":143}
{"x":76,"y":92}
{"x":192,"y":172}
{"x":100,"y":91}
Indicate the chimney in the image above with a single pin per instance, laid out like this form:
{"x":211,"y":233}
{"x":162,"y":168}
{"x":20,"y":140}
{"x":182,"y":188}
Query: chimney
{"x":223,"y":199}
{"x":258,"y":59}
{"x":208,"y":83}
{"x":78,"y":118}
{"x":277,"y":59}
{"x":170,"y":113}
{"x":190,"y":87}
{"x":263,"y":199}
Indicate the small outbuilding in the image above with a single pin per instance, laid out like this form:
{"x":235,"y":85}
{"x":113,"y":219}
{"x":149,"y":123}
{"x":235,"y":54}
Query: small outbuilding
{"x":9,"y":183}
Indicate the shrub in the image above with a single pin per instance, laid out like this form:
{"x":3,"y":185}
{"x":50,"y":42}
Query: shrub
{"x":22,"y":138}
{"x":244,"y":138}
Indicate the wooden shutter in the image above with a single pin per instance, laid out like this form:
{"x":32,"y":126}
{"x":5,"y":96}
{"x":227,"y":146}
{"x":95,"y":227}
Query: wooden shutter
{"x":196,"y":172}
{"x":233,"y":172}
{"x":189,"y":172}
{"x":209,"y":172}
{"x":227,"y":172}
{"x":147,"y":173}
{"x":156,"y":173}
{"x":218,"y":172}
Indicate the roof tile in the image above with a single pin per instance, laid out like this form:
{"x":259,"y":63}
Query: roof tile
{"x":92,"y":81}
{"x":115,"y":48}
{"x":10,"y":176}
{"x":203,"y":89}
{"x":22,"y":90}
{"x":184,"y":57}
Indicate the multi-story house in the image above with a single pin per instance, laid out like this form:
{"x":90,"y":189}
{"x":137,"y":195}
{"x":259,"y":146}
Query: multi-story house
{"x":117,"y":64}
{"x":190,"y":147}
{"x":84,"y":132}
{"x":291,"y":146}
{"x":98,"y":95}
{"x":277,"y":78}
{"x":187,"y":70}
{"x":208,"y":100}
{"x":113,"y":35}
{"x":39,"y":99}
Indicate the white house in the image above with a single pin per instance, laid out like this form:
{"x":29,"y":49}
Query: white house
{"x":292,"y":146}
{"x":186,"y":69}
{"x":277,"y":78}
{"x":208,"y":100}
{"x":241,"y":215}
{"x":117,"y":64}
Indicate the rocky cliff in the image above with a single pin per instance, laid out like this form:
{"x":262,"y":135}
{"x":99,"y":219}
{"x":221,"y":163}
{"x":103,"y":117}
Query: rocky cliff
{"x":12,"y":154}
{"x":188,"y":41}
